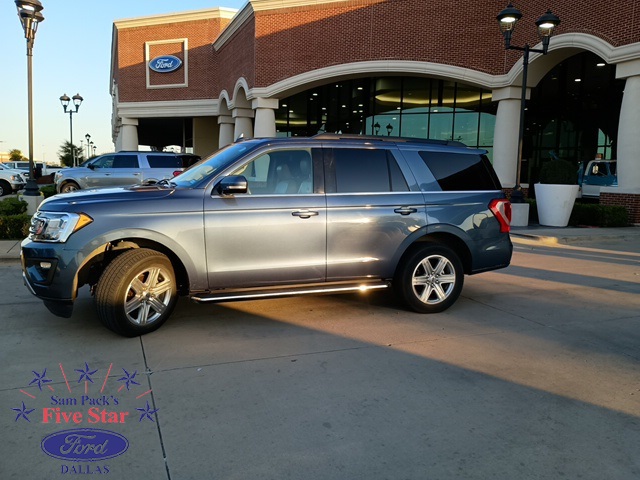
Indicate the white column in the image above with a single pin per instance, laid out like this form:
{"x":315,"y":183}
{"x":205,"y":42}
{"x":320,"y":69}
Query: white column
{"x":244,"y":123}
{"x":505,"y":136}
{"x":265,"y":124}
{"x":128,"y":135}
{"x":225,"y":136}
{"x":629,"y":128}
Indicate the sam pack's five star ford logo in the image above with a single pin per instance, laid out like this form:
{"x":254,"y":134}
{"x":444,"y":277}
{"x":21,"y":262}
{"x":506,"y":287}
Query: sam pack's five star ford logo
{"x":77,"y":403}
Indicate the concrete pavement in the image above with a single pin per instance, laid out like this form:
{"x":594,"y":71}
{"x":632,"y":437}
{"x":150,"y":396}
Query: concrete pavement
{"x":533,"y":374}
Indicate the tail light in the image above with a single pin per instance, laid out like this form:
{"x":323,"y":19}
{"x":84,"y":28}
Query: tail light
{"x":177,"y":172}
{"x":501,"y":208}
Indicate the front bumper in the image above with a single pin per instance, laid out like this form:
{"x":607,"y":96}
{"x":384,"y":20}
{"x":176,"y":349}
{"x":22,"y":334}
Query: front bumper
{"x":49,"y":272}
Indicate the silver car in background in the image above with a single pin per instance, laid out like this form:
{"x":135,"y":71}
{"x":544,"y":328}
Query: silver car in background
{"x":122,"y":169}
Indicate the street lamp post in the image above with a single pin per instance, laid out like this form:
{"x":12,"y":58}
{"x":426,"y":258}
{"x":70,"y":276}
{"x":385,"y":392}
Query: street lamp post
{"x":546,"y":26}
{"x":77,"y":101}
{"x":88,"y":138}
{"x":29,"y":12}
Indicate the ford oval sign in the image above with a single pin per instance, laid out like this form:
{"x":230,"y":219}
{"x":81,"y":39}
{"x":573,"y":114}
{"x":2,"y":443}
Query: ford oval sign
{"x":165,"y":64}
{"x":84,"y":445}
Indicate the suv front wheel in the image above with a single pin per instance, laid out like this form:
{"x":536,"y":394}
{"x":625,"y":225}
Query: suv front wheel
{"x":430,"y":279}
{"x":69,"y":187}
{"x":136,"y":293}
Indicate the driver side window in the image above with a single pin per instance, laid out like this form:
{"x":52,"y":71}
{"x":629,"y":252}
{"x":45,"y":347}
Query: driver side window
{"x":279,"y":172}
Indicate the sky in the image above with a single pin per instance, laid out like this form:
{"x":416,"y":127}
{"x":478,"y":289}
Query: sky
{"x":72,"y":54}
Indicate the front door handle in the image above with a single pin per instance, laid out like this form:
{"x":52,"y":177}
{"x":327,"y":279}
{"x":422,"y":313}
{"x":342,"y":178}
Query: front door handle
{"x":304,"y":213}
{"x":406,"y":210}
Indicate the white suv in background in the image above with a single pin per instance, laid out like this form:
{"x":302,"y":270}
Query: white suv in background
{"x":122,"y":169}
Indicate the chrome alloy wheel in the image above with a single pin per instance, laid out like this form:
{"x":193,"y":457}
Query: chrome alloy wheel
{"x":434,"y":279}
{"x":148,"y":295}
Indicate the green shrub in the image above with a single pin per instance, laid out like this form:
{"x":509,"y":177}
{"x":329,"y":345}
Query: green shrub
{"x":12,"y":206}
{"x":590,"y":215}
{"x":48,"y":191}
{"x":595,"y":215}
{"x":14,"y":227}
{"x":559,"y":172}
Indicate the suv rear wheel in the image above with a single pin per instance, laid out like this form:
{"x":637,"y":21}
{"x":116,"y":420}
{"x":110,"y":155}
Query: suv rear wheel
{"x":136,"y":293}
{"x":430,"y":279}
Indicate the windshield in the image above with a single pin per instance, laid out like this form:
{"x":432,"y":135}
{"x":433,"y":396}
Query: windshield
{"x":202,"y":171}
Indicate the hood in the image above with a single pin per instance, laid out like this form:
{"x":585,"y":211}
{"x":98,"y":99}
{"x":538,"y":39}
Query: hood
{"x":81,"y":198}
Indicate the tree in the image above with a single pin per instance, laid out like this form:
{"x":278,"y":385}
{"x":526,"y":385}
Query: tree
{"x":15,"y":155}
{"x":65,"y":156}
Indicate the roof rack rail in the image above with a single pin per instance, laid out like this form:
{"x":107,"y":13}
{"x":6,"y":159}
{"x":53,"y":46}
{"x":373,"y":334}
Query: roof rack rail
{"x":374,"y":138}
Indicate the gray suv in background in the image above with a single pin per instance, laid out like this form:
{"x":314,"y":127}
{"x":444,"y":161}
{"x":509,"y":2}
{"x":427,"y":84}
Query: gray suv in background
{"x":123,"y":169}
{"x":266,"y":218}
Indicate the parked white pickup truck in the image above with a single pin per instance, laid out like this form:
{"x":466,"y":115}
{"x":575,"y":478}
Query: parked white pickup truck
{"x":24,"y":166}
{"x":595,"y":175}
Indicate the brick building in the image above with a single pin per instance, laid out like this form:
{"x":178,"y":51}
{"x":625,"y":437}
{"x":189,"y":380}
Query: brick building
{"x":387,"y":67}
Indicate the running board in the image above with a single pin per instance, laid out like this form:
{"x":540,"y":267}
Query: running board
{"x":278,"y":292}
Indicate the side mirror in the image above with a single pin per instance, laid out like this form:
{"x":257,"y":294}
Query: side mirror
{"x":91,"y":166}
{"x":232,"y":185}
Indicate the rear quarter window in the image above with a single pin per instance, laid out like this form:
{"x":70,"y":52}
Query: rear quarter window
{"x":164,"y":161}
{"x":461,"y":171}
{"x":367,"y":170}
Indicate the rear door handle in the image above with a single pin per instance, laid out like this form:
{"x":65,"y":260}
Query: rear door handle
{"x":406,"y":210}
{"x":304,"y":213}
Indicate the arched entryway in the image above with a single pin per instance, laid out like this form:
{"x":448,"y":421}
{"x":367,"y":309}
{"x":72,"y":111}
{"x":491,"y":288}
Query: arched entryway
{"x":573,"y":113}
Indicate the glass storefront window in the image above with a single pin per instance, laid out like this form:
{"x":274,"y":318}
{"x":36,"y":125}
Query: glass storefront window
{"x":441,"y":126}
{"x":466,"y":128}
{"x":414,"y":107}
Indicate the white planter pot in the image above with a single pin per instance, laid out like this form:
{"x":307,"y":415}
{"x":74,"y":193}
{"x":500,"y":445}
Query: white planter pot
{"x":555,"y":203}
{"x":519,"y":214}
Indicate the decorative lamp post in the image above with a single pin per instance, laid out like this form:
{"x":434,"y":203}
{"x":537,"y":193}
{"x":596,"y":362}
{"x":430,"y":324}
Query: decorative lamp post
{"x":88,"y":137}
{"x":29,"y":12}
{"x":93,"y":148}
{"x":377,"y":127}
{"x":77,"y":101}
{"x":546,"y":26}
{"x":389,"y":129}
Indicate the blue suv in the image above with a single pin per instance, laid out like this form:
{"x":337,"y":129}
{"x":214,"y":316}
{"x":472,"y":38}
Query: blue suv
{"x":267,"y":218}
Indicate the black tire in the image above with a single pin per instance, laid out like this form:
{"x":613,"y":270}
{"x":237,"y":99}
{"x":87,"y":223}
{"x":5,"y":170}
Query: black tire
{"x":136,"y":293}
{"x":5,"y":188}
{"x":69,"y":187}
{"x":430,"y":279}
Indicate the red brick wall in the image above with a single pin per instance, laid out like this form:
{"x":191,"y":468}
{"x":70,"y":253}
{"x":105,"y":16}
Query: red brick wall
{"x":203,"y":80}
{"x":276,"y":44}
{"x":463,"y":33}
{"x":237,"y":58}
{"x":632,"y":202}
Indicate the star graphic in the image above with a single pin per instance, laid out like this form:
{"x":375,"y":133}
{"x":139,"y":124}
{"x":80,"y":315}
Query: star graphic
{"x":147,"y":412}
{"x":128,"y":378}
{"x":23,"y":412}
{"x":85,"y":374}
{"x":40,"y":378}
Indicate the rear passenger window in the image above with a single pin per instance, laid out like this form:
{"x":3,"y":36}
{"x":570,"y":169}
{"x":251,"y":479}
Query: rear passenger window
{"x":164,"y":161}
{"x":460,"y":171}
{"x":365,"y":170}
{"x":125,"y":161}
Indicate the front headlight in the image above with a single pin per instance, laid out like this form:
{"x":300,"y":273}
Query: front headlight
{"x":56,"y":227}
{"x":16,"y":179}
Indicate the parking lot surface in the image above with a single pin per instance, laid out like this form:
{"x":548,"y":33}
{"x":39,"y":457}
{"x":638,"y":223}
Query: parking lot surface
{"x":533,"y":374}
